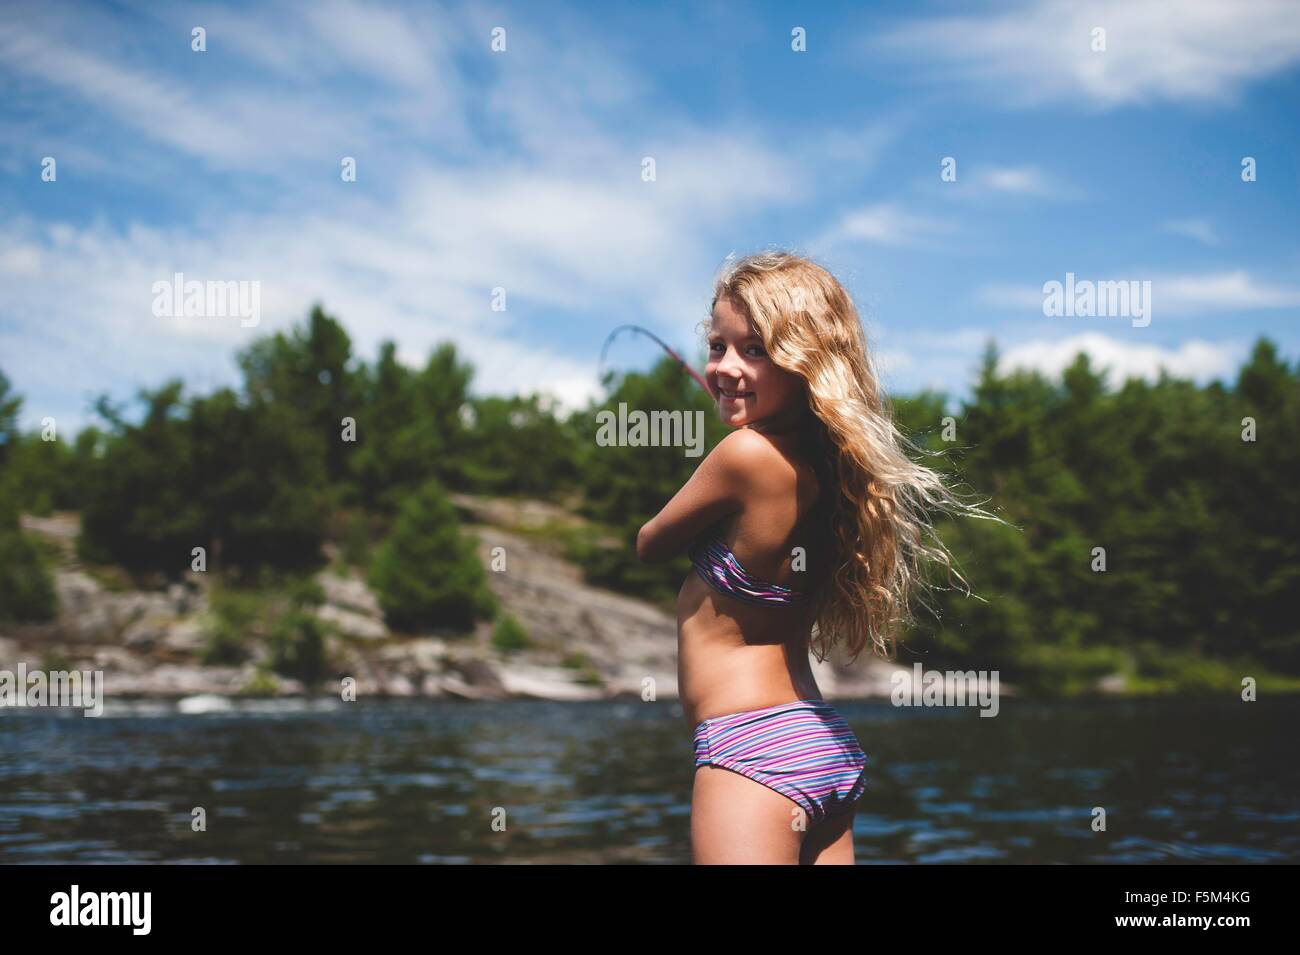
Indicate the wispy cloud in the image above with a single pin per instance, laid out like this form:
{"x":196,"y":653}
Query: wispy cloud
{"x":1236,"y":289}
{"x":524,"y":170}
{"x":232,"y":129}
{"x":1202,"y":230}
{"x":992,"y":182}
{"x":566,"y":226}
{"x":420,"y":271}
{"x":884,"y":223}
{"x":1198,"y":360}
{"x":1026,"y":180}
{"x":1006,"y":295}
{"x":1042,"y":50}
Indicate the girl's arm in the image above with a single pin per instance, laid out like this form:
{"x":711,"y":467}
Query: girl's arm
{"x":719,"y":487}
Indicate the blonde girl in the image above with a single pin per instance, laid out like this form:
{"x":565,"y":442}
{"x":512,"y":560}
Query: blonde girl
{"x":805,"y":527}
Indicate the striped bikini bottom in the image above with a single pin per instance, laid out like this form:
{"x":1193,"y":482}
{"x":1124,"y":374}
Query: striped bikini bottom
{"x":804,"y":750}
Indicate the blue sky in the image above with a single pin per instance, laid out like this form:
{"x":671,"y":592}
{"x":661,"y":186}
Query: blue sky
{"x":522,"y":170}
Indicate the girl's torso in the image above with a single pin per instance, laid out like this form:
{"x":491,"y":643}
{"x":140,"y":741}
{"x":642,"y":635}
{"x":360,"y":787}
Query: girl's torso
{"x":733,"y":655}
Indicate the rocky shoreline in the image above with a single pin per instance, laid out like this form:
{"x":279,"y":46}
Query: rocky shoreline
{"x":584,"y":643}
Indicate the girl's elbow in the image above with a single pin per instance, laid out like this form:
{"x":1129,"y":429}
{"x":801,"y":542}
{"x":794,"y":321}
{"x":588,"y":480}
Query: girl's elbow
{"x":641,"y":544}
{"x":645,"y":551}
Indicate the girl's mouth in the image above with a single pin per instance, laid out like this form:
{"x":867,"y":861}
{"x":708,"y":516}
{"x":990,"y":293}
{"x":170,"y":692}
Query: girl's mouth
{"x":735,"y":395}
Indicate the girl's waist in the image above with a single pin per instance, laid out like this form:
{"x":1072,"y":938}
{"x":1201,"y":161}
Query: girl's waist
{"x":710,"y":686}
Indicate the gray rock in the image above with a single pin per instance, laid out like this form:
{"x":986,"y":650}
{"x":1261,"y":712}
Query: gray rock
{"x":476,"y":673}
{"x":349,"y":623}
{"x":118,"y":660}
{"x":186,"y":598}
{"x":138,"y":604}
{"x":146,"y":633}
{"x":89,"y":612}
{"x":425,"y":654}
{"x":185,"y":636}
{"x":1112,"y":683}
{"x":349,"y":593}
{"x":451,"y":684}
{"x":78,"y":593}
{"x":547,"y":683}
{"x":172,"y":680}
{"x":400,"y":685}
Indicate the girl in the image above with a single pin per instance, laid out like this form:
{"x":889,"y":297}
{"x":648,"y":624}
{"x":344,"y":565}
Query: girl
{"x":805,"y":519}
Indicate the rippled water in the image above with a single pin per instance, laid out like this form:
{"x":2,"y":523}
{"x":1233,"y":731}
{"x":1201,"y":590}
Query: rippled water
{"x":422,"y":781}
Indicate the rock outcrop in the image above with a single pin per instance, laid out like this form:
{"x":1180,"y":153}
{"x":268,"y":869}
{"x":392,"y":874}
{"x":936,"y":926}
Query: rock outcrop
{"x":584,"y":643}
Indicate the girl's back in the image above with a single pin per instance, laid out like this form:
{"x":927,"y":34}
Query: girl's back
{"x":743,"y":633}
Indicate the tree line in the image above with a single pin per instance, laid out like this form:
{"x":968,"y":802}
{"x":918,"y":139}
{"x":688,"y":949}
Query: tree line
{"x":1154,"y":522}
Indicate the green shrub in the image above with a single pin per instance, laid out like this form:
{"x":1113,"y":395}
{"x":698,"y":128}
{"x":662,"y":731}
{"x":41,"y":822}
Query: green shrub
{"x":229,"y":626}
{"x":261,"y":683}
{"x":586,"y":672}
{"x":26,"y":587}
{"x":298,"y":646}
{"x":1055,"y":670}
{"x":509,"y":635}
{"x":426,"y":573}
{"x":305,"y":592}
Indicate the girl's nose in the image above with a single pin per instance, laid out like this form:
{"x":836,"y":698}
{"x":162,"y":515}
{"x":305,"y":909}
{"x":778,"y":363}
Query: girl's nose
{"x":729,"y":366}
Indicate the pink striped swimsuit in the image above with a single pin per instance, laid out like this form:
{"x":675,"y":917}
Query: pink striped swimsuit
{"x":802,"y":749}
{"x":718,"y":566}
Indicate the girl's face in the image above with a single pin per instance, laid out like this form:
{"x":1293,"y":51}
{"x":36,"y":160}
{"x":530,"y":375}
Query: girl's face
{"x":747,"y":385}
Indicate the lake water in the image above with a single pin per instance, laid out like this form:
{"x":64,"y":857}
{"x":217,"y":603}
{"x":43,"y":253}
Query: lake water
{"x":419,"y":782}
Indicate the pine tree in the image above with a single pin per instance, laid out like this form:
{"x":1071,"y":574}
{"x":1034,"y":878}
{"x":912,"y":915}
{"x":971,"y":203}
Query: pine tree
{"x":426,"y":573}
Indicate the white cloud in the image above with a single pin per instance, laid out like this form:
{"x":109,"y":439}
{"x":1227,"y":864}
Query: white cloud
{"x":545,"y":198}
{"x":1026,"y":180}
{"x":419,"y":269}
{"x":234,"y":124}
{"x":1040,"y":50}
{"x":885,"y":223}
{"x":1198,"y":360}
{"x":99,"y":330}
{"x":386,"y":42}
{"x":1197,"y":293}
{"x":20,"y":259}
{"x":989,"y":182}
{"x":1009,"y":296}
{"x":1202,"y":230}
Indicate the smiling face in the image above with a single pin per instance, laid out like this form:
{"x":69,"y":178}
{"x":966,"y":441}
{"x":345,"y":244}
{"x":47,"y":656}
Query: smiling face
{"x":749,"y":388}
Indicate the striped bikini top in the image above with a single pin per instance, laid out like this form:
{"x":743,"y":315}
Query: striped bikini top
{"x":719,"y":568}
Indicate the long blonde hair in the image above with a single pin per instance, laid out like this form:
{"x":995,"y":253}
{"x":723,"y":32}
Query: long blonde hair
{"x":879,"y":499}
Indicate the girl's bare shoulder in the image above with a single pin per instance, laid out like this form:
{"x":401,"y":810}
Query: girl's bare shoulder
{"x":779,"y":462}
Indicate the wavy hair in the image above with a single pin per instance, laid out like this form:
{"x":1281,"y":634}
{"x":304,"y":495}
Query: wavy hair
{"x":881,"y":510}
